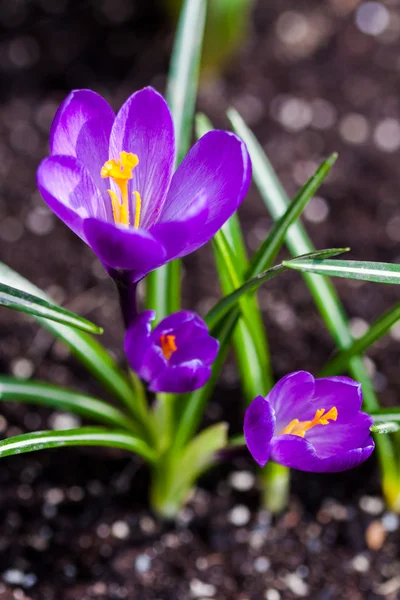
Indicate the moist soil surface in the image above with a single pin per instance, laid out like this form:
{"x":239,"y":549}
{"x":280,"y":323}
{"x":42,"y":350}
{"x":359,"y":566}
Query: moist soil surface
{"x":75,"y":524}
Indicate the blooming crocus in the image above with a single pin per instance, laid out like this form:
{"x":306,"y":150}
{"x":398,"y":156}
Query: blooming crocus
{"x":310,"y":424}
{"x":110,"y":179}
{"x":175,"y":356}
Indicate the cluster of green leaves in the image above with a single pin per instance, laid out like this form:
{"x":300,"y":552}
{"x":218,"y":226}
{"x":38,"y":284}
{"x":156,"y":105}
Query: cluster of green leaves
{"x":165,"y":434}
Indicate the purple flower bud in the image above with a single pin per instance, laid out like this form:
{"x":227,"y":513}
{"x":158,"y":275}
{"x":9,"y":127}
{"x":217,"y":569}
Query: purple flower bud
{"x":174,"y":357}
{"x":310,"y":424}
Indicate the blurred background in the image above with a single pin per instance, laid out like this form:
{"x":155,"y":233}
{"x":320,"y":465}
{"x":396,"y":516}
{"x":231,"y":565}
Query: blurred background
{"x":310,"y":77}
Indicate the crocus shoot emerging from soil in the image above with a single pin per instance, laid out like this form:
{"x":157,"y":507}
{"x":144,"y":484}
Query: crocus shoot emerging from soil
{"x":176,"y":356}
{"x":310,"y":424}
{"x":110,"y":179}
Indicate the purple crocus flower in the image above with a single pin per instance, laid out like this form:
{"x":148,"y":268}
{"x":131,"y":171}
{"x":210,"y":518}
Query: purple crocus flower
{"x":310,"y":424}
{"x":176,"y":356}
{"x":110,"y":179}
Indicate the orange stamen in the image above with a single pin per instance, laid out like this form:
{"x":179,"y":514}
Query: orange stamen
{"x":321,"y":417}
{"x":168,"y":345}
{"x":120,"y":171}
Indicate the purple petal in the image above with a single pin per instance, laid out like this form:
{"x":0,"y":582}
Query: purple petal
{"x":298,"y":453}
{"x":81,"y":128}
{"x":144,"y":127}
{"x":137,"y":338}
{"x":132,"y":250}
{"x":337,"y":437}
{"x":176,"y":235}
{"x":182,"y":378}
{"x":259,"y":425}
{"x":217,"y":170}
{"x":342,"y":392}
{"x":69,"y":191}
{"x":203,"y":348}
{"x":185,"y":319}
{"x":290,"y":398}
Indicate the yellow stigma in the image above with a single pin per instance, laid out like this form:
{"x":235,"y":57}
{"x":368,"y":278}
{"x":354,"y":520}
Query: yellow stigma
{"x":299,"y":428}
{"x":120,"y":171}
{"x":168,"y":345}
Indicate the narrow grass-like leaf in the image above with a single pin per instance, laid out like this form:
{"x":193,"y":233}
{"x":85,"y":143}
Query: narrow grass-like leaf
{"x":46,"y":394}
{"x":351,"y":269}
{"x":378,"y":329}
{"x":267,"y":252}
{"x":389,"y":427}
{"x":85,"y":348}
{"x":193,"y":404}
{"x":82,"y":436}
{"x":386,"y":414}
{"x":27,"y":303}
{"x":163,"y":285}
{"x":225,"y":304}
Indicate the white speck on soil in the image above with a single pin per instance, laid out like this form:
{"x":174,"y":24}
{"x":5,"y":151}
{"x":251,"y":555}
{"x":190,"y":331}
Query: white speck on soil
{"x":54,"y":496}
{"x":390,"y":521}
{"x":296,"y":585}
{"x":60,"y":421}
{"x":198,"y":589}
{"x":387,"y":135}
{"x":142,"y":563}
{"x":243,"y":481}
{"x":272,"y":594}
{"x":372,"y":505}
{"x":360,"y":563}
{"x":239,"y":515}
{"x":262,"y":564}
{"x":120,"y":530}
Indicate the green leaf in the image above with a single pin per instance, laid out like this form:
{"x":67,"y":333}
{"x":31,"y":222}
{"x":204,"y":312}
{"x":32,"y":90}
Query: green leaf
{"x":378,"y":329}
{"x":389,"y":427}
{"x":269,"y":249}
{"x":193,"y":404}
{"x":350,"y":269}
{"x":27,"y":303}
{"x":386,"y":414}
{"x":175,"y":477}
{"x":45,"y":394}
{"x":225,"y":304}
{"x":85,"y":348}
{"x":249,"y":338}
{"x":163,"y":285}
{"x":82,"y":436}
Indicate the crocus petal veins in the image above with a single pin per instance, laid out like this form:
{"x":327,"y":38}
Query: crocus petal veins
{"x":272,"y":429}
{"x":120,"y":171}
{"x":321,"y":417}
{"x":168,"y":345}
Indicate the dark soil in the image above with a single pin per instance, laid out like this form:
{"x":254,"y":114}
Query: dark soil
{"x":74,"y":522}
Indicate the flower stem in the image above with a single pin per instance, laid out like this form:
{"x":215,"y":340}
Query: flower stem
{"x":275,"y":486}
{"x":127,"y":299}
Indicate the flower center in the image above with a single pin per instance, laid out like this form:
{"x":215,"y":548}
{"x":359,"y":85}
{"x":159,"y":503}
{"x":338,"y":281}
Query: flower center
{"x":321,"y":417}
{"x":120,"y":171}
{"x":168,"y":345}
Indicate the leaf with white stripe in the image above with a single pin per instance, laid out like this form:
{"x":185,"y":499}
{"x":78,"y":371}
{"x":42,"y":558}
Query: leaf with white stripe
{"x":349,"y":269}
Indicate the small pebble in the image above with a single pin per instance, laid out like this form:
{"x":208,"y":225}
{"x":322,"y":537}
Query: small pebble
{"x":54,"y":496}
{"x":262,"y":564}
{"x":372,"y":18}
{"x":373,"y":505}
{"x":120,"y":530}
{"x":272,"y":594}
{"x":360,"y":563}
{"x":387,"y":135}
{"x":61,"y":421}
{"x":390,"y":521}
{"x":142,"y":563}
{"x":22,"y":368}
{"x":296,"y":585}
{"x":239,"y":515}
{"x":375,"y":535}
{"x":242,"y":481}
{"x":198,"y":589}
